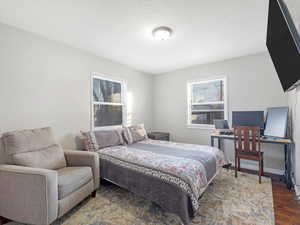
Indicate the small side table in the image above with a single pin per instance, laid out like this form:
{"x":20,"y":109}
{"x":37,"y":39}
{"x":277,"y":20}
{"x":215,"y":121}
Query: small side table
{"x":163,"y":136}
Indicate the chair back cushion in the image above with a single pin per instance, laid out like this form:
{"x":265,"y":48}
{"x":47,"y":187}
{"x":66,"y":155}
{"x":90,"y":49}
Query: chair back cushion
{"x":135,"y":133}
{"x":95,"y":140}
{"x":247,"y":139}
{"x":34,"y":148}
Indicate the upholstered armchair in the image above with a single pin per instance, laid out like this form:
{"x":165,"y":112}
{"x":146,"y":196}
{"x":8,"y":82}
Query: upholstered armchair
{"x":39,"y":181}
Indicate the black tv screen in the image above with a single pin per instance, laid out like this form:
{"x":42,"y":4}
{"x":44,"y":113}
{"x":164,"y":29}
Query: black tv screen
{"x":283,"y":43}
{"x":248,"y":118}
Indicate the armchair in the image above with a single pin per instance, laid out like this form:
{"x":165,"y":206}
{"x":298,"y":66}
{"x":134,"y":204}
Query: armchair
{"x":39,"y":182}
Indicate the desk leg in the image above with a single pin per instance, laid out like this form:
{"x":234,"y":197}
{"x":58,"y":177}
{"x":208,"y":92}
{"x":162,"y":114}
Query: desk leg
{"x":220,"y":146}
{"x":288,"y":165}
{"x":212,"y":141}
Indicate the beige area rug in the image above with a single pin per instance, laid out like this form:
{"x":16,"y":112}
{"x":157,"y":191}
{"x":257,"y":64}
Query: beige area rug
{"x":230,"y":201}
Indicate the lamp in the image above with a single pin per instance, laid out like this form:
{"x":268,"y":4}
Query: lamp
{"x":162,"y":33}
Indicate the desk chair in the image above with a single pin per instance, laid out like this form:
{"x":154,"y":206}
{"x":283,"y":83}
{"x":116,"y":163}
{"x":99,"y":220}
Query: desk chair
{"x":247,"y":146}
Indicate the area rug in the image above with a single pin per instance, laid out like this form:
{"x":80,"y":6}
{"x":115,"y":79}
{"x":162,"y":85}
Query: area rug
{"x":227,"y":201}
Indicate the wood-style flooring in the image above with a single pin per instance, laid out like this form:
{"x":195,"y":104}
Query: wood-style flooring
{"x":287,"y":209}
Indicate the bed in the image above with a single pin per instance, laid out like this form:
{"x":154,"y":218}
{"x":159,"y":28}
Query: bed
{"x":173,"y":175}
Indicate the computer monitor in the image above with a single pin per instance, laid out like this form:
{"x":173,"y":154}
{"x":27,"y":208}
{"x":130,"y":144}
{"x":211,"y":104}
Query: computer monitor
{"x":276,"y":123}
{"x":248,"y":118}
{"x":221,"y":124}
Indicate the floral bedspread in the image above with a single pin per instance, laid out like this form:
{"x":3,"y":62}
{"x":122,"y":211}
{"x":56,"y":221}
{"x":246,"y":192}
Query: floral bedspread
{"x":188,"y":166}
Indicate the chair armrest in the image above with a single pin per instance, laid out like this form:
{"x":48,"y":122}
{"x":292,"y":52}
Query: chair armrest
{"x":28,"y":195}
{"x":84,"y":158}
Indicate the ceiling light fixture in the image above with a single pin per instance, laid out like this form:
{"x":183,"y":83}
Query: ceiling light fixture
{"x":162,"y":33}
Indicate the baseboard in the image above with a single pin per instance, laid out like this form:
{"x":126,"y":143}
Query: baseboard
{"x":266,"y":169}
{"x":297,"y":189}
{"x":297,"y":192}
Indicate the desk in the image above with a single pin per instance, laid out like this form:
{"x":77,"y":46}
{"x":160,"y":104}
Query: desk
{"x":287,"y":143}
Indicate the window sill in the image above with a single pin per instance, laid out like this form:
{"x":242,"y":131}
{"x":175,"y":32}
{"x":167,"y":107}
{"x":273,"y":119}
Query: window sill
{"x":200,"y":126}
{"x":112,"y":127}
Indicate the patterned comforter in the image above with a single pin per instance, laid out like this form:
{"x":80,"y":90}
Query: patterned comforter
{"x":188,"y":166}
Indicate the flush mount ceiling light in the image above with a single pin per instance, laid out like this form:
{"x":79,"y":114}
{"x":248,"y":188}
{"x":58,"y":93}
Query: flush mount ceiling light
{"x":162,"y":33}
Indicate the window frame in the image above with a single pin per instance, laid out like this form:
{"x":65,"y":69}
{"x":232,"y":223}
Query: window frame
{"x":123,"y":103}
{"x":189,"y":103}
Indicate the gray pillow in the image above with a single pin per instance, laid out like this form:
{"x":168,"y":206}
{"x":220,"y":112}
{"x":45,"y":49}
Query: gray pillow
{"x":135,"y":133}
{"x":95,"y":140}
{"x":33,"y":148}
{"x":49,"y":158}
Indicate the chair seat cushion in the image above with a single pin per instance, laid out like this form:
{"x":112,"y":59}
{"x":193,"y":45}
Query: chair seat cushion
{"x":72,"y":178}
{"x":250,"y":155}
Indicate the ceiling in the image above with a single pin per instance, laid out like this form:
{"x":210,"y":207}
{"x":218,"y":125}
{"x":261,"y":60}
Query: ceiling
{"x":120,"y":30}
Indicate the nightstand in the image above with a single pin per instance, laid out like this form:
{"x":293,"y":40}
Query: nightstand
{"x":163,"y":136}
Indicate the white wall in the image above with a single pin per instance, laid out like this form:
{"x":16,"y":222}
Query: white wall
{"x":293,"y":98}
{"x":45,"y":83}
{"x":252,"y":85}
{"x":294,"y":9}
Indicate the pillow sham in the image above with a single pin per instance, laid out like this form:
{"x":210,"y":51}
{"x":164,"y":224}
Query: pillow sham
{"x":96,"y":140}
{"x":135,"y":133}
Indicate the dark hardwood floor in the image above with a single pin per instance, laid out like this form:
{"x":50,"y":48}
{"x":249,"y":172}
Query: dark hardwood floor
{"x":287,"y":209}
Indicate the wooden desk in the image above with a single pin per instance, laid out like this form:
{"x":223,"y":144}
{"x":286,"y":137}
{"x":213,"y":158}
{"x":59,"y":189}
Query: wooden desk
{"x":287,"y":143}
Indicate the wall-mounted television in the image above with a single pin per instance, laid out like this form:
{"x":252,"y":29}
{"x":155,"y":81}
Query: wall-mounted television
{"x":248,"y":118}
{"x":283,"y":43}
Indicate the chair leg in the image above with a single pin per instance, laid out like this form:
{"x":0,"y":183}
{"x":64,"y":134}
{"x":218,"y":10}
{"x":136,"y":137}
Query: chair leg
{"x":235,"y":166}
{"x":239,"y":164}
{"x":259,"y":171}
{"x":262,"y":167}
{"x":94,"y":194}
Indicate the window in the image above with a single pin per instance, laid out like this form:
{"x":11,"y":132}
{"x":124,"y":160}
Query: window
{"x":206,"y":102}
{"x":107,"y":102}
